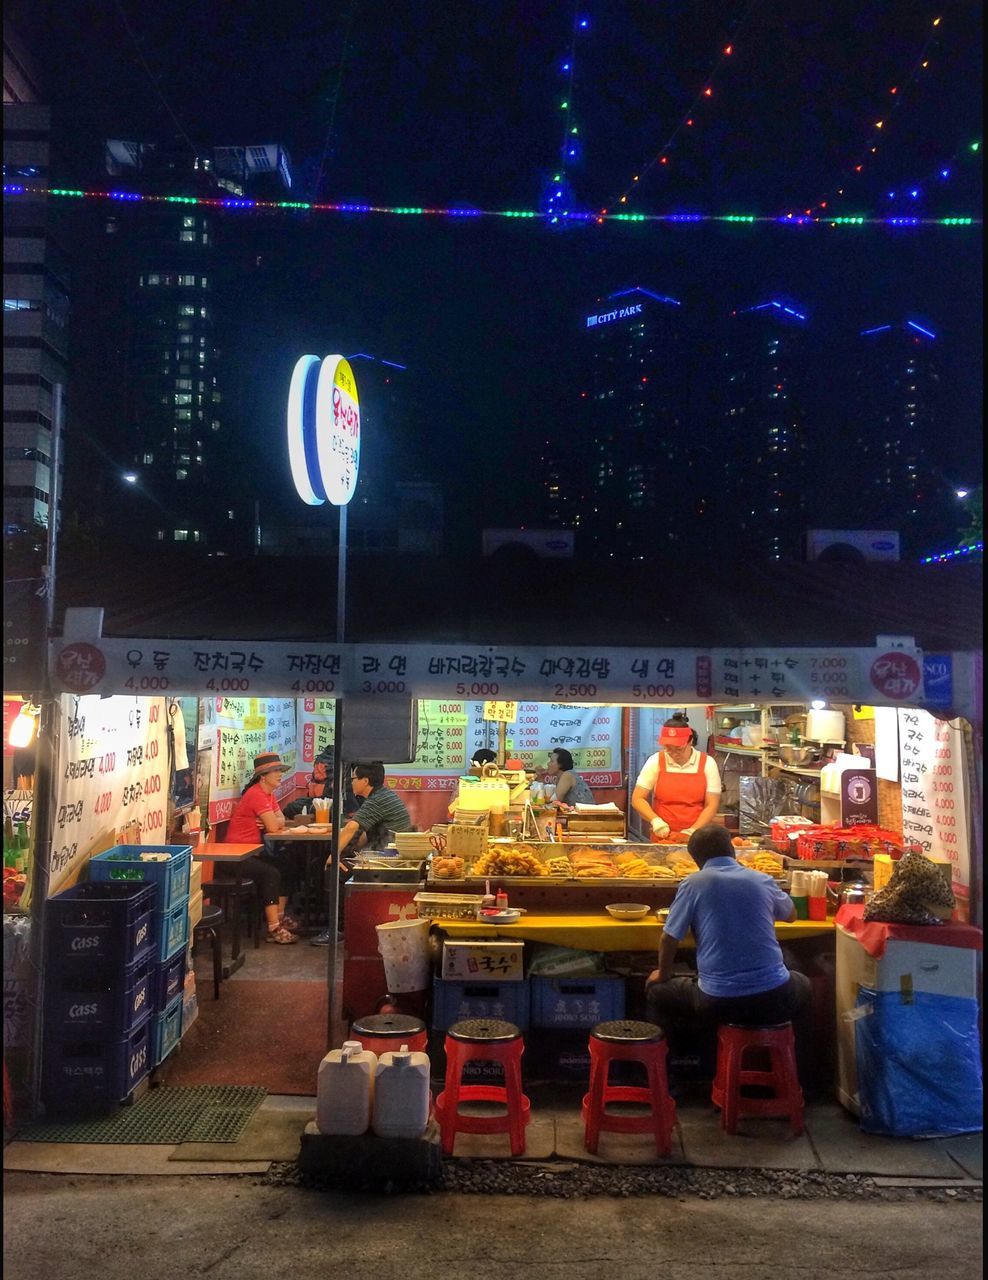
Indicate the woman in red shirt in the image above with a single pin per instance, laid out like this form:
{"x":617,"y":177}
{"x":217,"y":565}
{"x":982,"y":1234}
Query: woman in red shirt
{"x":256,"y":815}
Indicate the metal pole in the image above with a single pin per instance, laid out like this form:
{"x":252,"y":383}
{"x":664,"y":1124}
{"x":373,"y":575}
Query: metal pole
{"x":341,"y":580}
{"x":334,"y":869}
{"x":44,"y":774}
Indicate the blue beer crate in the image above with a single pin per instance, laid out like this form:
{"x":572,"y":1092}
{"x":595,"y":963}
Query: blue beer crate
{"x":81,"y":1002}
{"x":101,"y":928}
{"x":173,"y":930}
{"x":453,"y":1001}
{"x":571,"y":1003}
{"x":169,"y":980}
{"x":167,"y":1030}
{"x":83,"y":1075}
{"x":123,"y":863}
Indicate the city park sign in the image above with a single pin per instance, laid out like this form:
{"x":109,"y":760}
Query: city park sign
{"x":324,"y":430}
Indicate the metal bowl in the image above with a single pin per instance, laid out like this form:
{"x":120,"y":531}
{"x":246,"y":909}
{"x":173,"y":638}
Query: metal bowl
{"x":790,"y":754}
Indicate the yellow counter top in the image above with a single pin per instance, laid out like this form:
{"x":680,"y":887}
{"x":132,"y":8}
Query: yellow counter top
{"x":597,"y":931}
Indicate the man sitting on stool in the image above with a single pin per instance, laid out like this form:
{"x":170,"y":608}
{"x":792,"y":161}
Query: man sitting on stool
{"x":731,"y":912}
{"x":381,"y":811}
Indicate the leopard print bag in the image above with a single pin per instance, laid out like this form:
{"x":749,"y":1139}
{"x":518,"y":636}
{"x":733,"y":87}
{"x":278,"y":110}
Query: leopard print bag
{"x":916,"y":894}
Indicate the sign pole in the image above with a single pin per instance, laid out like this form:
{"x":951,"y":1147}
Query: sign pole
{"x":341,"y":580}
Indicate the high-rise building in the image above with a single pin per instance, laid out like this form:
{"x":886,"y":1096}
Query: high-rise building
{"x":35,"y":297}
{"x":161,"y":429}
{"x":893,"y":404}
{"x":764,"y":389}
{"x":626,"y":472}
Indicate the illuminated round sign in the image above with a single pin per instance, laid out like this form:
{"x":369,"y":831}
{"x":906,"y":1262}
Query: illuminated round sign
{"x":324,"y":430}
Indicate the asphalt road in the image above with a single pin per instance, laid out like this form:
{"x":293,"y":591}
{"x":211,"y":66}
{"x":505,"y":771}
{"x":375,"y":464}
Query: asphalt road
{"x":235,"y":1228}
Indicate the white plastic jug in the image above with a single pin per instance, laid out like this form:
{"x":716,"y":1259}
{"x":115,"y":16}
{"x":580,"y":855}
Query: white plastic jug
{"x":345,"y":1089}
{"x":401,"y":1094}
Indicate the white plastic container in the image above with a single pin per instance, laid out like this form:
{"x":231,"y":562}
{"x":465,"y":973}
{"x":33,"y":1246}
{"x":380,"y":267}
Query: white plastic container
{"x":482,"y":796}
{"x":401,"y":1094}
{"x":345,"y":1089}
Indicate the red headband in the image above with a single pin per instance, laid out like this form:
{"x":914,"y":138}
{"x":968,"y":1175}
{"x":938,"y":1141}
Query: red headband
{"x":675,"y":736}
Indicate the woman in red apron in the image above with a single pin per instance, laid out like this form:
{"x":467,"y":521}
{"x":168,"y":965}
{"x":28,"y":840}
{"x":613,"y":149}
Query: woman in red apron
{"x":683,"y":797}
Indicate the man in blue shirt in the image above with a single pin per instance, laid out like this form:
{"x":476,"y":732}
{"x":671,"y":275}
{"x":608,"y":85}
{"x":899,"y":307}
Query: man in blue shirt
{"x":731,"y":912}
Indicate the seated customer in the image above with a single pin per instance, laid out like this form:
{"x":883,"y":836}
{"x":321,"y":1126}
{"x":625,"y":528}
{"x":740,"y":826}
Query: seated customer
{"x":571,"y":788}
{"x":258,"y":814}
{"x":381,"y":811}
{"x":319,"y":786}
{"x":731,"y":912}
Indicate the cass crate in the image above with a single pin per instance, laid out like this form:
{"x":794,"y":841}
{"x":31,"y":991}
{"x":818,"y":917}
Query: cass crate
{"x":167,"y":1030}
{"x":83,"y":1074}
{"x":169,"y":980}
{"x":173,"y":930}
{"x":576,"y":1002}
{"x":101,"y":927}
{"x":166,"y":865}
{"x":109,"y":1004}
{"x":455,"y":1001}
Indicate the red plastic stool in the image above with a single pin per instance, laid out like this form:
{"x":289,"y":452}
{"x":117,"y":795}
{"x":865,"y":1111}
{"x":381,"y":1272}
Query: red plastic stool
{"x":483,"y":1040}
{"x":387,"y":1032}
{"x":733,"y":1042}
{"x":628,"y":1041}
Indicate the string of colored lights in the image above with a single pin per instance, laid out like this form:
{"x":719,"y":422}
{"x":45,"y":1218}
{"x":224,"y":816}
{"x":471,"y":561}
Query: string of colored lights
{"x":948,"y":169}
{"x":958,"y":552}
{"x":559,"y":192}
{"x":574,"y":215}
{"x":897,"y":93}
{"x":688,"y":119}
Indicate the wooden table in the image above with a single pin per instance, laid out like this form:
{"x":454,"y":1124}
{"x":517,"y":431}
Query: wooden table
{"x":230,"y":855}
{"x":597,"y":931}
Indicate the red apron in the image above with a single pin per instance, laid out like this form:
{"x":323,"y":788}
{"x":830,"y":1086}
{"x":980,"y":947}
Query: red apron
{"x":679,"y":798}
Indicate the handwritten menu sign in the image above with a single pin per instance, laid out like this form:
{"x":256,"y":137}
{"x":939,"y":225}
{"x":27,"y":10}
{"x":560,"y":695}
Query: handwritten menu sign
{"x":934,"y":792}
{"x":240,"y":729}
{"x":113,"y":776}
{"x":316,"y":729}
{"x":449,"y":732}
{"x":502,"y":712}
{"x":608,"y":676}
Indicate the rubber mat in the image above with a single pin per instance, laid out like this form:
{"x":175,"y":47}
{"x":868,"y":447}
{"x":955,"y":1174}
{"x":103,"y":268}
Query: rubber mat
{"x":167,"y":1115}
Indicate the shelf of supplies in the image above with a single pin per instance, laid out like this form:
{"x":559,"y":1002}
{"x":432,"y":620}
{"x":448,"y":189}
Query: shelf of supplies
{"x":793,"y":768}
{"x":754,"y":752}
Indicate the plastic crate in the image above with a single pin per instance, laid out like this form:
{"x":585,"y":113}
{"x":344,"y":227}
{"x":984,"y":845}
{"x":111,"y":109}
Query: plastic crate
{"x":101,"y":928}
{"x":81,"y":1002}
{"x":173,"y":930}
{"x":123,"y":863}
{"x":453,"y":1001}
{"x":576,"y":1002}
{"x":167,"y":1030}
{"x":169,"y":980}
{"x":83,"y":1075}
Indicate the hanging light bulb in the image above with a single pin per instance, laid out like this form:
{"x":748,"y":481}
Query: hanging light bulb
{"x":24,"y":726}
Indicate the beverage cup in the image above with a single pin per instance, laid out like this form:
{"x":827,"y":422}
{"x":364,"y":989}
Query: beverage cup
{"x":320,"y":809}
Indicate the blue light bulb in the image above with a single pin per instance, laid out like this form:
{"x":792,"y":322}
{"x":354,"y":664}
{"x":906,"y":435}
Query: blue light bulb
{"x":944,"y":173}
{"x":584,"y":23}
{"x":914,"y":193}
{"x":565,"y":66}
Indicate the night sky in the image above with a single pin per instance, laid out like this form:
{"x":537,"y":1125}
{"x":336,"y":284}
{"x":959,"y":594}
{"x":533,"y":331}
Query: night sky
{"x":458,"y":103}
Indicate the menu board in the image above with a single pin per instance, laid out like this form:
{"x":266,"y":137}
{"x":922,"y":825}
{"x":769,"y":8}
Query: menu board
{"x":240,"y":729}
{"x":449,"y":732}
{"x":316,"y":729}
{"x":112,"y":780}
{"x":934,"y":792}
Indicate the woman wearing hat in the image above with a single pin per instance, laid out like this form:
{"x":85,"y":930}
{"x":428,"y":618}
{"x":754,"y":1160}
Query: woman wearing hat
{"x":679,"y":787}
{"x":256,"y":815}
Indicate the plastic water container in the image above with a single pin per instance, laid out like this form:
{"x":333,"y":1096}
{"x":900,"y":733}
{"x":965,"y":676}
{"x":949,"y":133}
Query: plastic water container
{"x":401,"y":1094}
{"x":345,"y":1089}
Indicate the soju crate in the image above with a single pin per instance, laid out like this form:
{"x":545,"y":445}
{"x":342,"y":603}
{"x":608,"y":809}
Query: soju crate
{"x":576,"y":1002}
{"x":99,"y":1003}
{"x":171,"y":875}
{"x":167,"y":1029}
{"x":169,"y":980}
{"x":101,"y":928}
{"x":84,"y":1075}
{"x":173,"y":930}
{"x":455,"y":1001}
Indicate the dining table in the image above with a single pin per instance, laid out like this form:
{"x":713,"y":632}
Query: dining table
{"x":311,"y":843}
{"x":232,"y":856}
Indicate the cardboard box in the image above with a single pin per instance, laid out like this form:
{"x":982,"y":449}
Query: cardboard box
{"x":195,"y":878}
{"x":483,"y":961}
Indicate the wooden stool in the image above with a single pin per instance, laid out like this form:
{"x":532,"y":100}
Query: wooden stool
{"x":733,"y":1042}
{"x":210,"y":925}
{"x":628,"y":1041}
{"x":243,"y":894}
{"x":483,"y":1040}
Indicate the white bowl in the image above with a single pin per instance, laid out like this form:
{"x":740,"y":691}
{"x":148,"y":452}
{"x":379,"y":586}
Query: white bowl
{"x":627,"y":910}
